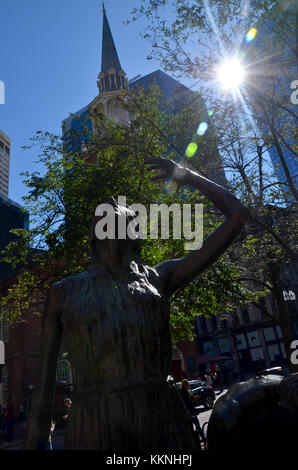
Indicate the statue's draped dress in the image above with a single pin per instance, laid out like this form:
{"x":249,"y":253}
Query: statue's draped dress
{"x":116,"y":333}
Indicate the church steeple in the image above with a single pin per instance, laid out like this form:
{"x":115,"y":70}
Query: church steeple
{"x":111,"y":76}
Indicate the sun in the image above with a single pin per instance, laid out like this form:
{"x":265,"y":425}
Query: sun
{"x":230,"y":73}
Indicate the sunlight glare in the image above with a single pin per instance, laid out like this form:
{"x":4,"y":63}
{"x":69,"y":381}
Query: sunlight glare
{"x":230,"y":73}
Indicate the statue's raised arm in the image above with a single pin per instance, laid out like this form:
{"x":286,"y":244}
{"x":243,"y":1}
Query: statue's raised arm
{"x":178,"y":272}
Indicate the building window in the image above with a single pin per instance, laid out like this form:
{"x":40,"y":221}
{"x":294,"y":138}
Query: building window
{"x":240,"y":341}
{"x":191,"y":364}
{"x":63,"y":374}
{"x":269,"y":334}
{"x":245,"y":315}
{"x":257,"y":354}
{"x":113,"y":81}
{"x":203,"y":325}
{"x":274,"y":352}
{"x":5,"y":383}
{"x":4,"y":329}
{"x":253,"y":339}
{"x":208,"y":347}
{"x":235,"y":319}
{"x":223,"y":345}
{"x":213,"y":322}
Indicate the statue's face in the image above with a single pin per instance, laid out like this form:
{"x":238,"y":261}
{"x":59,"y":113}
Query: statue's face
{"x":113,"y":231}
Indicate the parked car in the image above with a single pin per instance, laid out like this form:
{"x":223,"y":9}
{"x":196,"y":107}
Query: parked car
{"x":205,"y":394}
{"x":272,"y":371}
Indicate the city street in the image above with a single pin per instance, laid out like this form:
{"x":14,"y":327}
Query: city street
{"x":58,"y":437}
{"x":204,"y":414}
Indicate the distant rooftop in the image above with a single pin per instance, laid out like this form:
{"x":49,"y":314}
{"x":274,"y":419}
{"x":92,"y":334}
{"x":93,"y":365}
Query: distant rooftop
{"x":5,"y":137}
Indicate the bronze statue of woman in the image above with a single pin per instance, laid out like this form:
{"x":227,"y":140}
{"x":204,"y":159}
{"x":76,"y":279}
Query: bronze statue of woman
{"x":113,"y":320}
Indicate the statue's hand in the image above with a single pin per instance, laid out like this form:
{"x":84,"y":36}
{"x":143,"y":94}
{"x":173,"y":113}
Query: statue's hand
{"x":169,"y":169}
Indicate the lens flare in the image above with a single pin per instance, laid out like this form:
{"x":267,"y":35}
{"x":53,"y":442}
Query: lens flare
{"x":250,"y":36}
{"x":202,"y":128}
{"x":210,"y":113}
{"x":230,"y":73}
{"x":171,"y":187}
{"x":191,"y":149}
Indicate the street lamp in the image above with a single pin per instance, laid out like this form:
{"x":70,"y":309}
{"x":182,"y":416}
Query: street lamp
{"x":230,"y":73}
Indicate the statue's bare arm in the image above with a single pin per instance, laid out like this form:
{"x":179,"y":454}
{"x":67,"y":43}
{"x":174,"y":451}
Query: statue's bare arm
{"x":178,"y":272}
{"x":38,"y":429}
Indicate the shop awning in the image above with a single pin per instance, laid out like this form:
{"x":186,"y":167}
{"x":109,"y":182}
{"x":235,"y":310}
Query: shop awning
{"x":203,"y":359}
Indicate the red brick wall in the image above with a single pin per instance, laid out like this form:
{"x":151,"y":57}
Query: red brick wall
{"x":189,"y":349}
{"x":21,"y":358}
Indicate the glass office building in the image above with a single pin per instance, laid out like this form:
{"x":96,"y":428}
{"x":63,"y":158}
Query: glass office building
{"x":4,"y":163}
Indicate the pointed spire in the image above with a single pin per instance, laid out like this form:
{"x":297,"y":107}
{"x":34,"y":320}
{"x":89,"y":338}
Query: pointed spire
{"x":111,"y":77}
{"x":109,"y":56}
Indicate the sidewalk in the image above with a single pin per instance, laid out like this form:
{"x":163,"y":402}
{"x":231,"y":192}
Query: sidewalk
{"x":58,"y":442}
{"x":17,"y":445}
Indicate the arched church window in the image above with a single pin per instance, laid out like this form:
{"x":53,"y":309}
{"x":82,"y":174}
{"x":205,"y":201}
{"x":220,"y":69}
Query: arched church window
{"x":113,"y":84}
{"x":63,"y":373}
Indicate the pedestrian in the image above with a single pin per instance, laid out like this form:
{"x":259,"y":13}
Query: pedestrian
{"x":213,"y":378}
{"x":203,"y":377}
{"x":189,"y":400}
{"x":225,"y":375}
{"x":52,"y":428}
{"x":209,"y":378}
{"x":8,"y":414}
{"x":67,"y":405}
{"x":2,"y":422}
{"x":220,"y":379}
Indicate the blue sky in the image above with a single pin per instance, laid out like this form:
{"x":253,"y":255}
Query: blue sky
{"x":50,"y":59}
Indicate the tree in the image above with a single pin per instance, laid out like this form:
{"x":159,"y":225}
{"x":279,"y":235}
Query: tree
{"x":211,"y":28}
{"x":270,"y":242}
{"x":63,"y":199}
{"x":263,"y":118}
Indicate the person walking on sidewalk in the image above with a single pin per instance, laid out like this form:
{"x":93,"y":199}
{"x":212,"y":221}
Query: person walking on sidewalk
{"x":8,"y":414}
{"x":209,"y":378}
{"x":52,"y":428}
{"x":189,"y":400}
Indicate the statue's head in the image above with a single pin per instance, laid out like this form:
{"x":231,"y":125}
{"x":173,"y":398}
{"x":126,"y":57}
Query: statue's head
{"x":109,"y":232}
